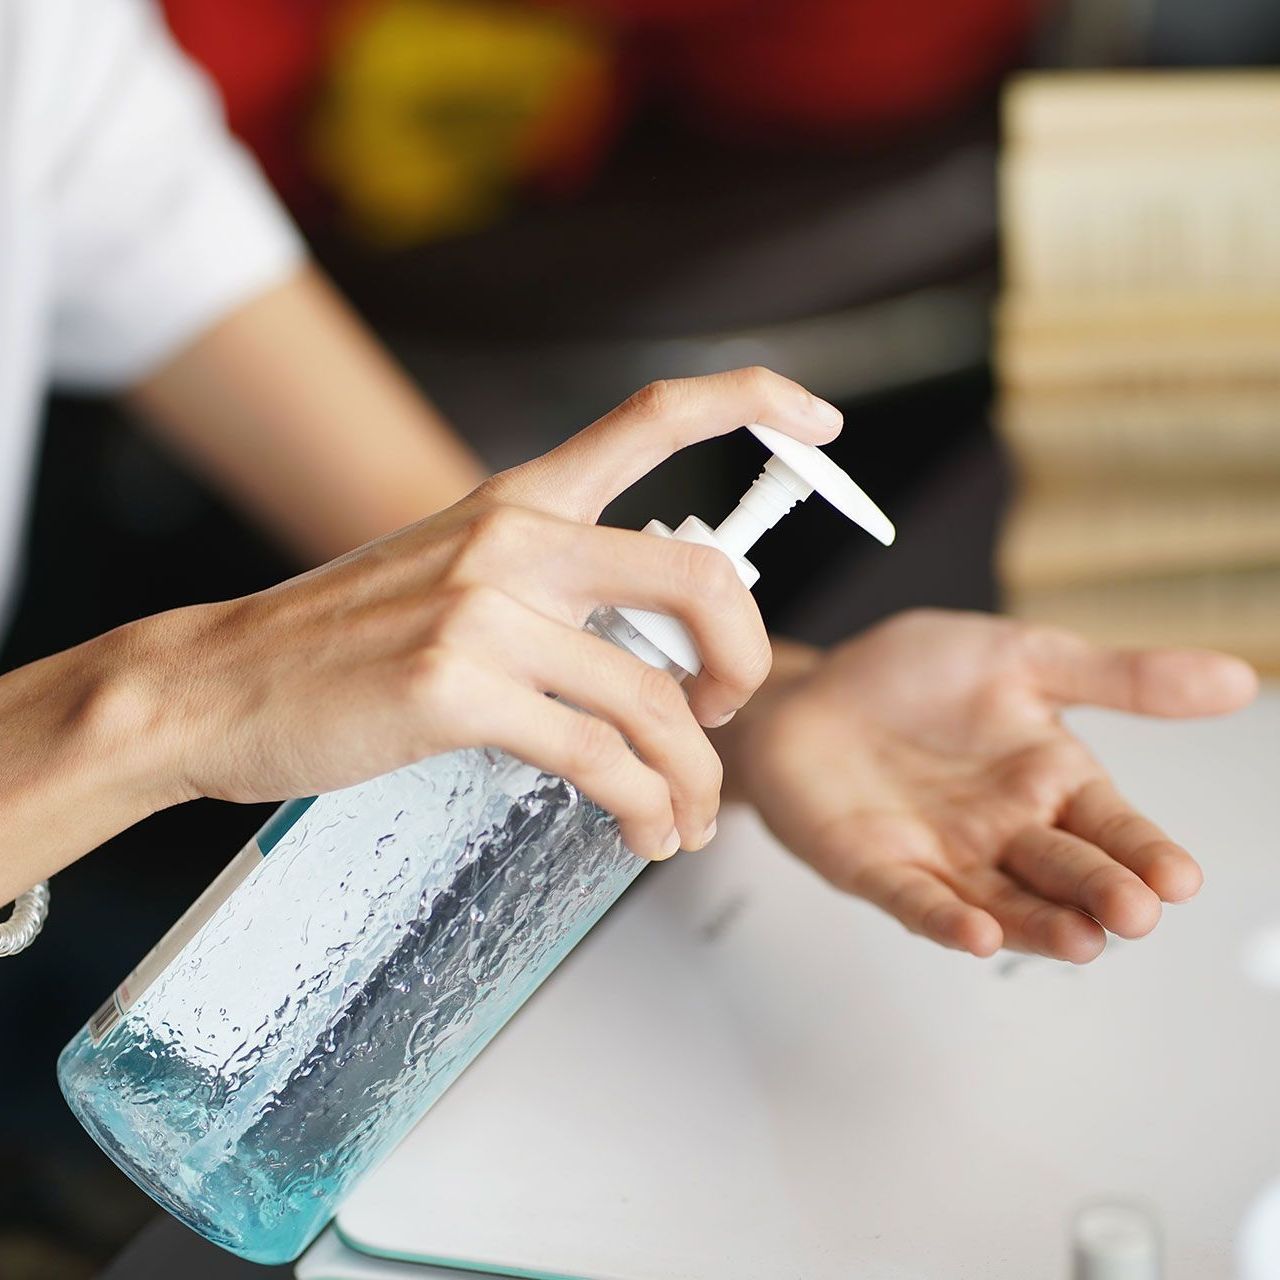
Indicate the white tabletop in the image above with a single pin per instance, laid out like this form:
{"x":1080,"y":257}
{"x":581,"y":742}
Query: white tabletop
{"x":743,"y":1075}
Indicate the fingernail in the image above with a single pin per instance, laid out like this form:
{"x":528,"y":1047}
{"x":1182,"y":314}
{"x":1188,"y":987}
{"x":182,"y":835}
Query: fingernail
{"x":669,"y":845}
{"x":708,"y":835}
{"x":826,"y":413}
{"x":724,"y":719}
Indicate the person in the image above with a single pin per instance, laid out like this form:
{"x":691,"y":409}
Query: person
{"x":923,"y":765}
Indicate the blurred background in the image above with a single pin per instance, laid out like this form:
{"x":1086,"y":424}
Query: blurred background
{"x":542,"y":204}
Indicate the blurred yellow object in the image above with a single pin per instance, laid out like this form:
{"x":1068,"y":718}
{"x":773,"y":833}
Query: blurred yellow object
{"x":436,"y":110}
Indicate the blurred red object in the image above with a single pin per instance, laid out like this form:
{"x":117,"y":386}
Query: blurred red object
{"x":823,"y":67}
{"x":641,"y":13}
{"x":829,"y":65}
{"x":267,"y":57}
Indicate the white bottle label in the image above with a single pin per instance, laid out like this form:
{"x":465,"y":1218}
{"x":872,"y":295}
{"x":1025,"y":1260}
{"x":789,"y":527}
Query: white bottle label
{"x":196,"y":916}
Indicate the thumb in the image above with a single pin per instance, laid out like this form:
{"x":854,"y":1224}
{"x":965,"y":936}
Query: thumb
{"x":1153,"y":682}
{"x":581,"y":477}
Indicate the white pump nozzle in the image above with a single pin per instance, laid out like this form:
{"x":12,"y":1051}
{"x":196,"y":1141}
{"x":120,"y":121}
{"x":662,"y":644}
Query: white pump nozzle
{"x":793,"y":472}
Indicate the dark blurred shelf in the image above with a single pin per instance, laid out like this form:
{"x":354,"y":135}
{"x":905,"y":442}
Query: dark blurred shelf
{"x":681,"y":236}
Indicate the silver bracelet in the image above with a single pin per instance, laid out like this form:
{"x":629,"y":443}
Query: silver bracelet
{"x":19,"y":931}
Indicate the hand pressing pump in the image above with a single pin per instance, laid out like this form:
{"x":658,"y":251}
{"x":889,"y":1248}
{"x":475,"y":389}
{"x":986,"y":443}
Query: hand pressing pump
{"x":360,"y":951}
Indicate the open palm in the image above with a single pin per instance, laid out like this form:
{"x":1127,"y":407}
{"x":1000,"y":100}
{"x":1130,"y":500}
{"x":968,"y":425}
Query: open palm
{"x":924,"y":766}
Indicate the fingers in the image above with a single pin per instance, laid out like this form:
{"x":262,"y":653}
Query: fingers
{"x":644,"y":703}
{"x":699,"y":586}
{"x":648,"y":706}
{"x":1029,"y":922}
{"x":1068,"y":870}
{"x":580,"y":477}
{"x":588,"y":752}
{"x":1100,"y":815}
{"x":927,"y":906}
{"x":1154,"y":682}
{"x":564,"y":569}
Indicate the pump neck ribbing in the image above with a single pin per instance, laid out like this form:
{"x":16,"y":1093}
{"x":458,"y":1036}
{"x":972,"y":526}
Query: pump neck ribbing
{"x":776,"y":490}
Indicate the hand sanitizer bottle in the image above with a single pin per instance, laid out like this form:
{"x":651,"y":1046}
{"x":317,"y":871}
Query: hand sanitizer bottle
{"x":333,"y":981}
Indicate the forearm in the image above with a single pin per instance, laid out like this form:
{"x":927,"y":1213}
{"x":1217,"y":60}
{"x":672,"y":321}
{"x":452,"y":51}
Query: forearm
{"x":291,"y":407}
{"x":84,"y":754}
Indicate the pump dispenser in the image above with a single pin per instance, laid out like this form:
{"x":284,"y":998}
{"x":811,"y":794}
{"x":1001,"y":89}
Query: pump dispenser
{"x":360,"y":951}
{"x":794,"y":471}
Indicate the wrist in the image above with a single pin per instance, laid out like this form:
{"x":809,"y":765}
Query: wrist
{"x":163,"y":692}
{"x":124,"y":730}
{"x":85,"y":755}
{"x":792,"y":660}
{"x":736,"y":742}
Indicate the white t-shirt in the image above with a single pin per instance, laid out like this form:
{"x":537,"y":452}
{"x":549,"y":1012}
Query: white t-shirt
{"x":129,"y":220}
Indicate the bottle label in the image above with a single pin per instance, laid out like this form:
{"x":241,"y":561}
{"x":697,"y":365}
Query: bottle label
{"x":196,"y":916}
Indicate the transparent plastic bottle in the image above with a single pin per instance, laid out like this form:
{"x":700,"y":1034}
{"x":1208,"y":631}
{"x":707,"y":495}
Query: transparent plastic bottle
{"x":324,"y":1005}
{"x":328,"y":987}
